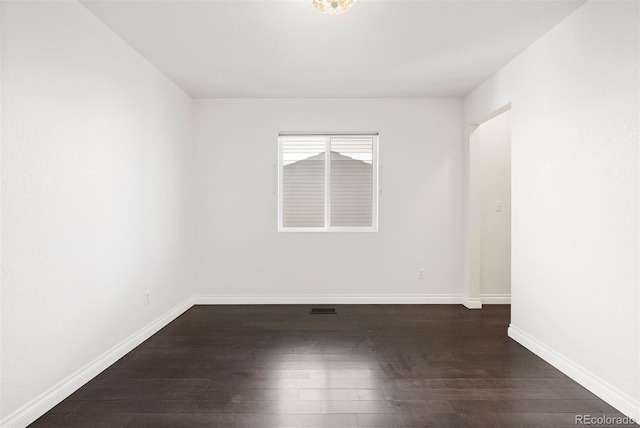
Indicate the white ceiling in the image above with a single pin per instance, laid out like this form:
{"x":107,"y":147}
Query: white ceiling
{"x":289,"y":49}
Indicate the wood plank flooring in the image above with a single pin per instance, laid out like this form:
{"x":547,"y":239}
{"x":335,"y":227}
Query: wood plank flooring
{"x":366,"y":366}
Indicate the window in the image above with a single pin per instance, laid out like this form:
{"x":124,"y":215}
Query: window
{"x":337,"y":192}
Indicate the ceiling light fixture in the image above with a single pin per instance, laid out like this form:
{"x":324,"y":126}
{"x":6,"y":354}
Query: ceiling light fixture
{"x":333,"y":7}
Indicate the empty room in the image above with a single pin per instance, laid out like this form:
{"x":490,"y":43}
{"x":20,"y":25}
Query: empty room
{"x":320,"y":213}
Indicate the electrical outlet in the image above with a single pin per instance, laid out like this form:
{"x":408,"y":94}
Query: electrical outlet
{"x":147,"y":298}
{"x":420,"y":273}
{"x":499,"y":206}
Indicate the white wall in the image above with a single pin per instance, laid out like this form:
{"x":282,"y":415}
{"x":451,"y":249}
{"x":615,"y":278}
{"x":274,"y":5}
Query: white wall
{"x":490,"y":172}
{"x":575,"y":254}
{"x":240,"y":250}
{"x":96,"y":185}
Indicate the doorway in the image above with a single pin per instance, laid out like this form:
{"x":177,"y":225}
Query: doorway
{"x":490,"y":209}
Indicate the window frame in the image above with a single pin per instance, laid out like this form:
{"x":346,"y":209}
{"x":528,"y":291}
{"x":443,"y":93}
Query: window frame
{"x":327,"y":185}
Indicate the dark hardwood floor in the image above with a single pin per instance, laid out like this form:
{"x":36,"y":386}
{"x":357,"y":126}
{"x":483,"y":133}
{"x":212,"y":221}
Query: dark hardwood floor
{"x":366,"y":366}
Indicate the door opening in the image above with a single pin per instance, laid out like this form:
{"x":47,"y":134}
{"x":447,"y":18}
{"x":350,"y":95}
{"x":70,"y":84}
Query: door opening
{"x":490,"y":209}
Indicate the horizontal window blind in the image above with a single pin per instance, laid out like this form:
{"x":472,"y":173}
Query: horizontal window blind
{"x":351,"y":178}
{"x":303,"y":182}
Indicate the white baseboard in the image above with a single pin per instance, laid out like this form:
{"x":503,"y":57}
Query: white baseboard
{"x":471,"y":302}
{"x":607,"y":392}
{"x":495,"y":299}
{"x":328,"y":299}
{"x":37,"y":407}
{"x":40,"y":405}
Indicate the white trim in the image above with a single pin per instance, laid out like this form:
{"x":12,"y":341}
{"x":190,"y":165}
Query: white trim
{"x":495,"y":299}
{"x":40,"y":405}
{"x":471,"y":302}
{"x":37,"y":407}
{"x":607,"y":392}
{"x":305,"y":136}
{"x":376,"y":176}
{"x":331,"y":134}
{"x":305,"y":299}
{"x":279,"y":184}
{"x":327,"y":184}
{"x":327,"y":229}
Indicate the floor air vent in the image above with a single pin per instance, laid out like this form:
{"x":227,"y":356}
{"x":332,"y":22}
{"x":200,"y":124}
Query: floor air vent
{"x":323,"y":311}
